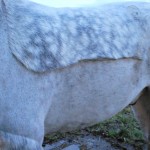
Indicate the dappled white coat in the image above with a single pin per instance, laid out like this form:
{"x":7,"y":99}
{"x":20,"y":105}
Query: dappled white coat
{"x":68,"y":68}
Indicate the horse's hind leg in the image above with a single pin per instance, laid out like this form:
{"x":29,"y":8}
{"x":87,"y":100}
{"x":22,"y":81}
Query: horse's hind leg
{"x":142,"y":111}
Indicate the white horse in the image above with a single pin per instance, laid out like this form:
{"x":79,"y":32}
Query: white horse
{"x":68,"y":68}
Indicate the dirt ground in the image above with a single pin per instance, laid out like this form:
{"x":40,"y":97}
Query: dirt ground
{"x":122,"y":132}
{"x":87,"y":141}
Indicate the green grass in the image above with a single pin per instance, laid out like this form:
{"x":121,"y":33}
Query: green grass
{"x":122,"y":128}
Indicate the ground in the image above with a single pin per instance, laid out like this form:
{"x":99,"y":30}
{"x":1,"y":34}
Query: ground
{"x":120,"y":132}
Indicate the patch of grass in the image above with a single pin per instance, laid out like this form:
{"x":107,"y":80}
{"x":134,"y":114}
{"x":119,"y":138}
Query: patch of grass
{"x":50,"y":138}
{"x":122,"y":127}
{"x":54,"y":137}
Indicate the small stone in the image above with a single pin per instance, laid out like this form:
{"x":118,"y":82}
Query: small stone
{"x":54,"y":145}
{"x":72,"y":147}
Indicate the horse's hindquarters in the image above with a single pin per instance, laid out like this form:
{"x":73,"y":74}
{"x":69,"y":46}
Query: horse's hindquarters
{"x":93,"y":91}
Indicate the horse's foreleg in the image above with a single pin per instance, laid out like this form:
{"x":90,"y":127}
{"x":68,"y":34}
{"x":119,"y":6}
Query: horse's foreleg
{"x":10,"y":141}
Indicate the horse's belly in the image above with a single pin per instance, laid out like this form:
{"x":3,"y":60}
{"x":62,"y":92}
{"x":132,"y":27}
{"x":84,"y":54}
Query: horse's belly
{"x":90,"y":92}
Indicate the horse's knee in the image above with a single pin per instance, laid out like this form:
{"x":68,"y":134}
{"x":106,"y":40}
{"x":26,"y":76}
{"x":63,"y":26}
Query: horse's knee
{"x":10,"y":141}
